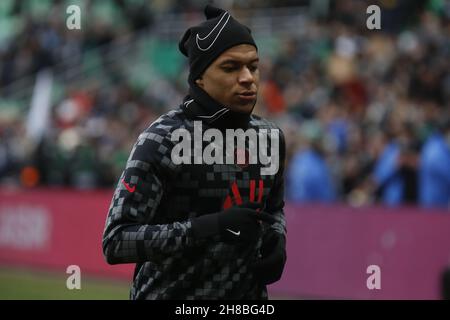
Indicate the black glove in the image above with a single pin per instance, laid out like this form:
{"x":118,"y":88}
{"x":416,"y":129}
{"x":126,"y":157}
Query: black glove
{"x":238,"y":223}
{"x":269,"y":268}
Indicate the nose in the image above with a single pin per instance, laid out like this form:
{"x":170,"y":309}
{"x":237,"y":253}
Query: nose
{"x":246,"y":76}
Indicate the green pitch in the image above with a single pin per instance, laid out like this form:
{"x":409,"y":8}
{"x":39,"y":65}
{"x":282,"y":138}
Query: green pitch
{"x":27,"y":284}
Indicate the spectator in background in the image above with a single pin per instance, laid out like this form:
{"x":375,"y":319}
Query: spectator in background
{"x":308,"y":176}
{"x":435,"y":168}
{"x":395,"y":171}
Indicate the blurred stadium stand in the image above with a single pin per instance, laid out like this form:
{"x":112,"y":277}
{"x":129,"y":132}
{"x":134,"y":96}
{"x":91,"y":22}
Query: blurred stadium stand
{"x":362,"y":104}
{"x":347,"y":94}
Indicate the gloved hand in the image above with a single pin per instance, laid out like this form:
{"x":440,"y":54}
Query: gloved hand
{"x":238,"y":223}
{"x":269,"y":268}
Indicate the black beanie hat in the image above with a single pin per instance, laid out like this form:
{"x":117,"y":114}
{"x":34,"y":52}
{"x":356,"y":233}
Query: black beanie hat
{"x":203,"y":43}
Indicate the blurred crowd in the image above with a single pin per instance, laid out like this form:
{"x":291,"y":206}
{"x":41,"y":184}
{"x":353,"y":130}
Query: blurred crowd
{"x":366,"y":113}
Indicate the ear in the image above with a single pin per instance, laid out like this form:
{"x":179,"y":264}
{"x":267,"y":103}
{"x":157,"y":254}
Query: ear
{"x":199,"y":82}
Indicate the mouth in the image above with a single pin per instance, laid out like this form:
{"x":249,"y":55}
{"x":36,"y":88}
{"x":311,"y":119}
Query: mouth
{"x":247,"y":95}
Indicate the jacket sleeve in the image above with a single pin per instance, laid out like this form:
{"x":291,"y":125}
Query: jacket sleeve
{"x":275,"y":200}
{"x":131,"y":234}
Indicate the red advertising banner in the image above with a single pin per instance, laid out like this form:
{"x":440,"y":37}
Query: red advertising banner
{"x":55,"y":229}
{"x":333,"y":251}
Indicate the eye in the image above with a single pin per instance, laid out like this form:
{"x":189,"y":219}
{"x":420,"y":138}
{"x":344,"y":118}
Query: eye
{"x":253,"y":68}
{"x":229,"y":68}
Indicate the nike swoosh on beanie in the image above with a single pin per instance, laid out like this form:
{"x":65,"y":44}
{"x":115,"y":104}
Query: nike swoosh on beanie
{"x":204,"y":43}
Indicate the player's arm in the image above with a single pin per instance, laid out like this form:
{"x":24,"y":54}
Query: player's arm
{"x":270,"y":267}
{"x":275,"y":200}
{"x":131,"y":234}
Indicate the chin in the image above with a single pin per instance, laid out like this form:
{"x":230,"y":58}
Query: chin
{"x":243,"y":108}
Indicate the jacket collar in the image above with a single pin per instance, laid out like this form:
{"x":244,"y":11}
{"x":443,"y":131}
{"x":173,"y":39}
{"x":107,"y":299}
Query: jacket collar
{"x":198,"y":105}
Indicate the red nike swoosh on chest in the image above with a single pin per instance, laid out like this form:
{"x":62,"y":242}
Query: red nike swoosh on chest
{"x":127,"y":186}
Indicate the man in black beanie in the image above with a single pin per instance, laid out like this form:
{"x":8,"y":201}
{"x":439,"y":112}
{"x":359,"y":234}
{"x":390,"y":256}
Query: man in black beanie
{"x":211,"y":48}
{"x":196,"y":228}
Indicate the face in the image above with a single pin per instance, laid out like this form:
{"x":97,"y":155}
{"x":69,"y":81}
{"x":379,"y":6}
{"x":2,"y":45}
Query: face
{"x":233,"y":78}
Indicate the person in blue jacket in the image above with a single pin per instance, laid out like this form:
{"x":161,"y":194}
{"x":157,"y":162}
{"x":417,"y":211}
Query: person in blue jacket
{"x":308,"y":177}
{"x":395,"y":171}
{"x":434,"y":172}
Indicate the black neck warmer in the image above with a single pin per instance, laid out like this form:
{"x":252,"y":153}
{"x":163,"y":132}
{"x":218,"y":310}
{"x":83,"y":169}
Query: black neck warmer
{"x":200,"y":106}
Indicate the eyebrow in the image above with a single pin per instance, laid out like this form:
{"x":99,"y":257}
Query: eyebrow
{"x":234,"y":61}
